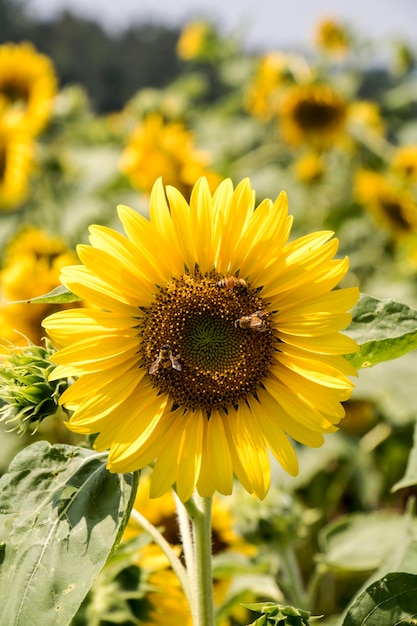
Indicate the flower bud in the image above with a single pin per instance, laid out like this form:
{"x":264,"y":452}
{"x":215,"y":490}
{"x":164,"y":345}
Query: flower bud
{"x":27,"y":394}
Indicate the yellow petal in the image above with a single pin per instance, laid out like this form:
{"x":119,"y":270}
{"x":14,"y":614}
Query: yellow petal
{"x":275,"y":437}
{"x":216,"y":466}
{"x":202,"y":225}
{"x":296,"y":424}
{"x":164,"y":473}
{"x":250,"y":448}
{"x":76,"y":324}
{"x":96,"y":291}
{"x":189,"y":455}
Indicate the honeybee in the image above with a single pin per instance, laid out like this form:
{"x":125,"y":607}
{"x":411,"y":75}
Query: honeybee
{"x":254,"y":321}
{"x":165,"y":358}
{"x":231,"y":282}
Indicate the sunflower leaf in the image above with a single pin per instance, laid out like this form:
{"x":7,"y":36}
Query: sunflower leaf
{"x":61,"y":514}
{"x":59,"y":295}
{"x":410,"y":477}
{"x":384,"y":330}
{"x":390,"y":600}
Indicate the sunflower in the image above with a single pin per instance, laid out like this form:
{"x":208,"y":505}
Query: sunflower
{"x":166,"y":595}
{"x":215,"y":340}
{"x":164,"y":602}
{"x":314,"y":114}
{"x":309,"y":168}
{"x":16,"y":163}
{"x":158,"y":148}
{"x":332,"y":37}
{"x":162,"y":513}
{"x":404,"y":163}
{"x":31,"y":266}
{"x":265,"y":90}
{"x":365,"y":116}
{"x":28,"y":86}
{"x":194,"y":39}
{"x":390,"y":202}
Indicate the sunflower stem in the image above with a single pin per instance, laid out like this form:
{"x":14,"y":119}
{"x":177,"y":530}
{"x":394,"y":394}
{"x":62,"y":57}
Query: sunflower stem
{"x":185,"y":528}
{"x":293,"y":576}
{"x":202,"y":585}
{"x":174,"y":561}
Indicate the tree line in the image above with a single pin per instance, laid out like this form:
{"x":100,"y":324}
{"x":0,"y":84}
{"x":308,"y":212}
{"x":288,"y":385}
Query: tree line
{"x":111,"y":67}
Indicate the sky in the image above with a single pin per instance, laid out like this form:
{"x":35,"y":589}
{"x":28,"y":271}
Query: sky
{"x":264,"y":23}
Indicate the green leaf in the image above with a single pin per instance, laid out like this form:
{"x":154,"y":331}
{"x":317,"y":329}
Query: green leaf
{"x":61,"y":514}
{"x":59,"y":295}
{"x":410,"y":477}
{"x":390,"y":600}
{"x":362,"y":542}
{"x":384,"y":329}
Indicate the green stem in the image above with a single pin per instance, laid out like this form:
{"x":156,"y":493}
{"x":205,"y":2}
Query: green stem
{"x":185,"y":528}
{"x":203,"y":582}
{"x":293,"y":582}
{"x":174,"y":561}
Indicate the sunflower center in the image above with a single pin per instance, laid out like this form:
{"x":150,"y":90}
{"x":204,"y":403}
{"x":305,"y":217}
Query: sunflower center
{"x":15,"y":92}
{"x":207,"y":340}
{"x":395,"y":212}
{"x":315,"y":115}
{"x":3,"y":162}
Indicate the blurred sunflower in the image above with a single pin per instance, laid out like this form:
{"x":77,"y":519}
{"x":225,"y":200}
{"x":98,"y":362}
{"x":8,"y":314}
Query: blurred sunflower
{"x":165,"y":599}
{"x":265,"y":90}
{"x":404,"y":163}
{"x":309,"y":168}
{"x":390,"y":202}
{"x":166,"y":602}
{"x":194,"y":39}
{"x":16,"y":163}
{"x":312,"y":114}
{"x":366,"y":116}
{"x":161,"y":512}
{"x":158,"y":148}
{"x":166,"y":596}
{"x":332,"y":37}
{"x":28,"y":86}
{"x":31,"y":267}
{"x":218,"y":336}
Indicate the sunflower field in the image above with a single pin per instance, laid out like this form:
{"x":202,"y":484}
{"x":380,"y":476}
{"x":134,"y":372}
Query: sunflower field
{"x":208,"y":312}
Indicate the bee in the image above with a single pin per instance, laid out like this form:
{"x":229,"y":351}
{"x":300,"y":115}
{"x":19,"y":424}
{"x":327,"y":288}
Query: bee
{"x":231,"y":282}
{"x":165,"y":358}
{"x":254,"y":321}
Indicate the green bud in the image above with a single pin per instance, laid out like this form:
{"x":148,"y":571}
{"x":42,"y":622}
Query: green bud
{"x":27,"y":394}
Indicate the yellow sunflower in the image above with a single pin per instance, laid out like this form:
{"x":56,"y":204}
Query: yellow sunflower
{"x":193,"y":39}
{"x":31,"y":266}
{"x":364,"y":115}
{"x":309,"y":168}
{"x":216,"y":340}
{"x":265,"y":90}
{"x":404,"y":162}
{"x":158,"y":148}
{"x":332,"y":37}
{"x":312,"y":114}
{"x":28,"y":86}
{"x":167,"y":597}
{"x":392,"y":204}
{"x":162,"y":513}
{"x":16,"y":163}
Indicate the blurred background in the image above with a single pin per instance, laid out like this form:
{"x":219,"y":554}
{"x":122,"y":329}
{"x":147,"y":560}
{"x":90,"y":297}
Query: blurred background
{"x":114,"y":48}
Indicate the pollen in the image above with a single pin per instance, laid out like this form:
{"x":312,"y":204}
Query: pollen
{"x":220,"y":362}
